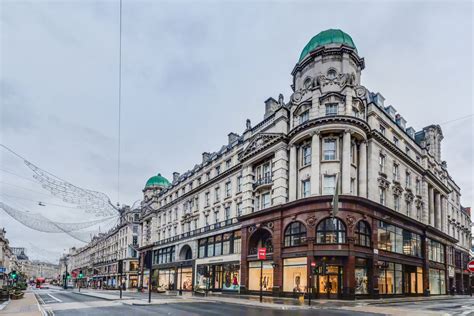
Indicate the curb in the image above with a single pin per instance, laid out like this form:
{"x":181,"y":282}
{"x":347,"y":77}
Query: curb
{"x":103,"y":298}
{"x":415,"y":301}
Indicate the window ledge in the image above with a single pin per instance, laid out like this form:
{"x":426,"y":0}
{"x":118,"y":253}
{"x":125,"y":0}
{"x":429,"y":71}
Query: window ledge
{"x":326,"y":161}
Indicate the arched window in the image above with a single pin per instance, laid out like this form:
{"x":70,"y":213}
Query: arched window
{"x":362,"y":234}
{"x":261,"y":238}
{"x":295,"y":234}
{"x":331,"y":231}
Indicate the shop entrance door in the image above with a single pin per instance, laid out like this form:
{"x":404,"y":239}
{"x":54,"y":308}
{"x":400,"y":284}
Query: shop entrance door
{"x":329,"y":285}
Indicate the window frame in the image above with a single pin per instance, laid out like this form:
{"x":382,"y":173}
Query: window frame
{"x":290,"y":236}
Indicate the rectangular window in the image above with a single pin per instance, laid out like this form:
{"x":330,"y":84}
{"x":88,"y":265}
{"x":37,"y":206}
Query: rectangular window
{"x":331,"y":109}
{"x":408,"y":179}
{"x":382,"y":130}
{"x":382,"y":196}
{"x":306,"y":155}
{"x":239,"y":209}
{"x":228,"y":164}
{"x":265,"y":200}
{"x":216,"y":216}
{"x":228,"y":189}
{"x":407,"y":151}
{"x":217,"y":194}
{"x":382,"y":163}
{"x":352,"y":186}
{"x":305,"y":188}
{"x":227,"y":213}
{"x":395,"y":140}
{"x":218,"y":170}
{"x":396,"y":172}
{"x":206,"y":198}
{"x":304,"y":117}
{"x":418,"y":187}
{"x":329,"y":149}
{"x":329,"y":185}
{"x":239,"y":184}
{"x":396,"y":203}
{"x":208,"y":176}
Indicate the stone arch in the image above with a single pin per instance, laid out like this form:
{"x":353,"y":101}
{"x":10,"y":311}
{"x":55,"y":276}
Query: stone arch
{"x":262,"y":237}
{"x":186,"y":253}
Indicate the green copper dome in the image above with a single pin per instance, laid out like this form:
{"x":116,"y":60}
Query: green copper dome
{"x":157,"y":180}
{"x":330,"y":36}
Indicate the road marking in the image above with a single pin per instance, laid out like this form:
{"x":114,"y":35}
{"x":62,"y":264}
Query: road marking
{"x":55,"y":298}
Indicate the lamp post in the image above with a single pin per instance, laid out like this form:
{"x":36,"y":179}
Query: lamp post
{"x":65,"y":259}
{"x":181,"y":279}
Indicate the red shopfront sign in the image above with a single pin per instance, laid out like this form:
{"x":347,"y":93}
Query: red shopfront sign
{"x":262,"y":253}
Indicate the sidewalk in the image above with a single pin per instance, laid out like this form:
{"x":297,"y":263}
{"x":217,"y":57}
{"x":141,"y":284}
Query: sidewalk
{"x":27,"y":306}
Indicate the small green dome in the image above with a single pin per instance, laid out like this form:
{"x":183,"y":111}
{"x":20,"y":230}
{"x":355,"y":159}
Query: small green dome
{"x":157,"y":180}
{"x":330,"y":36}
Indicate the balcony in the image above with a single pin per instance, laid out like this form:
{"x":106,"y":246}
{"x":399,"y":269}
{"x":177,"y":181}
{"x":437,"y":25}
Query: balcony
{"x":263,"y":182}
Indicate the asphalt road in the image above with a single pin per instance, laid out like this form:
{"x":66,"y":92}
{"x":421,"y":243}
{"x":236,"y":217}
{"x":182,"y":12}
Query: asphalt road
{"x":61,"y":302}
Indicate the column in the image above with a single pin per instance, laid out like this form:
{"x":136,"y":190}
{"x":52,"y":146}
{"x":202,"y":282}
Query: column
{"x":425,"y":208}
{"x":293,"y":177}
{"x":315,"y":162}
{"x":438,"y":210}
{"x":431,"y":206}
{"x":444,"y":213}
{"x":247,"y":189}
{"x":346,"y":162}
{"x":280,"y":176}
{"x":363,"y":169}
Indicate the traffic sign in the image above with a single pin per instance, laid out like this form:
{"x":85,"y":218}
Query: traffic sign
{"x":3,"y":269}
{"x":313,"y":263}
{"x":470,"y":266}
{"x":262,"y":253}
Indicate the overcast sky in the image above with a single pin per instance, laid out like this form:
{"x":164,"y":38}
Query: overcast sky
{"x":193,"y":72}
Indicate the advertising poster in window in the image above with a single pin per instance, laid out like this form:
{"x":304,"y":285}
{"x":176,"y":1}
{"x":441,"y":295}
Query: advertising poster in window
{"x":361,"y":281}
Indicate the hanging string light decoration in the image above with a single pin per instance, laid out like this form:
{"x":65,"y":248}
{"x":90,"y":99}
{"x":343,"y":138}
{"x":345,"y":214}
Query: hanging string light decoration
{"x":91,"y":202}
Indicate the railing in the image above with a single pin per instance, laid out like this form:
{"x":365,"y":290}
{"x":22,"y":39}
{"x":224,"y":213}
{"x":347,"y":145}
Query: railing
{"x":263,"y":181}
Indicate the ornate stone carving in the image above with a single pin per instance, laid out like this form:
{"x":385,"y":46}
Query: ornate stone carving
{"x":397,"y":189}
{"x":259,"y":142}
{"x":333,"y":78}
{"x":251,"y":229}
{"x":350,"y":220}
{"x":383,"y":183}
{"x":419,"y":203}
{"x":311,"y":221}
{"x":409,"y":196}
{"x":361,"y":91}
{"x":269,"y":225}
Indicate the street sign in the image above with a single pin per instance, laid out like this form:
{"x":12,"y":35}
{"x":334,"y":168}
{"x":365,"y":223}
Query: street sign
{"x":3,"y":269}
{"x":262,"y":253}
{"x":470,"y":266}
{"x":313,"y":264}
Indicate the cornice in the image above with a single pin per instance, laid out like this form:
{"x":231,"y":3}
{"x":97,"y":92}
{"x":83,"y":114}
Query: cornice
{"x":321,"y":121}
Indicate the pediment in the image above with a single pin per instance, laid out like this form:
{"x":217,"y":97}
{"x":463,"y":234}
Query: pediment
{"x":260,"y":142}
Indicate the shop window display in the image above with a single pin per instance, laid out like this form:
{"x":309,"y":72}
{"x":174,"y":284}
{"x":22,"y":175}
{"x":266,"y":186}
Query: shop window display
{"x":254,"y":276}
{"x":185,"y":279}
{"x":390,"y":278}
{"x":437,"y":282}
{"x":295,"y":275}
{"x":166,"y":278}
{"x":361,"y":277}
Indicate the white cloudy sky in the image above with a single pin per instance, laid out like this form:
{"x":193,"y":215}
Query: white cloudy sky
{"x":193,"y":72}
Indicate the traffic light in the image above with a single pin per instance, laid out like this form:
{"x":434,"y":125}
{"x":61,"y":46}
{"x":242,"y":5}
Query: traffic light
{"x":80,"y":275}
{"x":13,"y":275}
{"x":68,"y":275}
{"x":324,"y":269}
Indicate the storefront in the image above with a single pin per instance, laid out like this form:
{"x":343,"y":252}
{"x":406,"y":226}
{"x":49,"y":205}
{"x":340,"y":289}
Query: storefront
{"x":295,"y":275}
{"x":263,"y":270}
{"x":219,"y":277}
{"x":437,"y":282}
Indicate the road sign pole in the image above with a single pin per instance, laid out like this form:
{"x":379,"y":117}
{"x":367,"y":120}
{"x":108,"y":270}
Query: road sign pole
{"x":261,"y":280}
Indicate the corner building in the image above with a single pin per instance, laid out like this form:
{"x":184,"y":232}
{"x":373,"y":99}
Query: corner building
{"x":399,"y":229}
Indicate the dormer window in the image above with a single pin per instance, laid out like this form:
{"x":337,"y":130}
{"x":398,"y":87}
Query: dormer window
{"x":331,"y":109}
{"x":304,"y":117}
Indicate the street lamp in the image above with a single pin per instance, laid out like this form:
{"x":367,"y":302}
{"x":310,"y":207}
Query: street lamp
{"x":181,"y":279}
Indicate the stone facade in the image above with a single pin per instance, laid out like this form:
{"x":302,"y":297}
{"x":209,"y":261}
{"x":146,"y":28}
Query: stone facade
{"x":99,"y":259}
{"x":333,"y":134}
